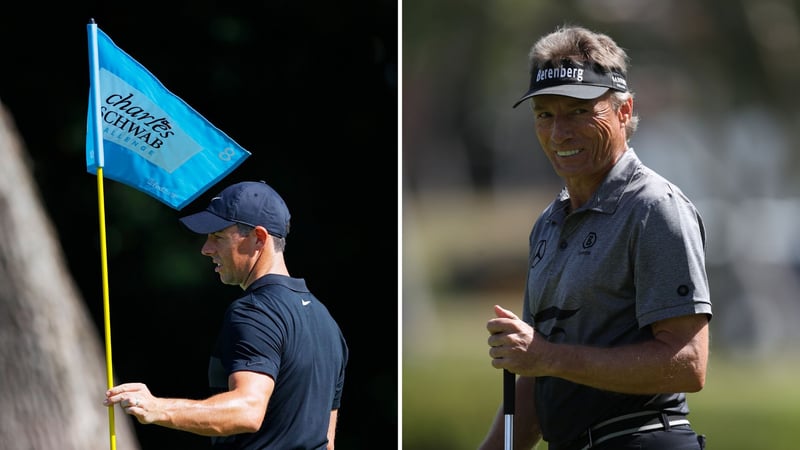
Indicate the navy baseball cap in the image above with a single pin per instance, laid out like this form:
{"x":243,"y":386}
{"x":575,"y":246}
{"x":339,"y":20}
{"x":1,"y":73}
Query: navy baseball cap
{"x":574,"y":80}
{"x":250,"y":203}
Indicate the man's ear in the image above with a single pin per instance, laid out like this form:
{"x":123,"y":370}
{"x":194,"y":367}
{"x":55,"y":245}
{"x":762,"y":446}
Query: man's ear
{"x":626,"y":111}
{"x":261,"y":235}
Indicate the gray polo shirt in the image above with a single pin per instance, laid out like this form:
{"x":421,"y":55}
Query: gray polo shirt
{"x":633,"y":255}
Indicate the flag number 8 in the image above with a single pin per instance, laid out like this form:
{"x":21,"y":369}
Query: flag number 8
{"x":226,"y":154}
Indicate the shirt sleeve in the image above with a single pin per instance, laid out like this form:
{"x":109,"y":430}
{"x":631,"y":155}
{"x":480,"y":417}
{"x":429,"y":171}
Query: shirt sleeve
{"x":254,"y":339}
{"x":670,"y":275}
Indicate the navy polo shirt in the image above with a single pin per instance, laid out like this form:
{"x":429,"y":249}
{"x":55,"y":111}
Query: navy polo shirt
{"x":280,"y":329}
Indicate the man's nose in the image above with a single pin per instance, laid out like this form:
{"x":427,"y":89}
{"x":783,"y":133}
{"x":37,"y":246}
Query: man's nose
{"x":561,"y":130}
{"x":207,"y":249}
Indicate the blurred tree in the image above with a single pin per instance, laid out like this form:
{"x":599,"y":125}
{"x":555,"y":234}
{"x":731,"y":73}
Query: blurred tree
{"x":51,"y":362}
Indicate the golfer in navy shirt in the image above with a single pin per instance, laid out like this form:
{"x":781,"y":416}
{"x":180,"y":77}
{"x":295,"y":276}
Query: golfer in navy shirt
{"x":277,"y":370}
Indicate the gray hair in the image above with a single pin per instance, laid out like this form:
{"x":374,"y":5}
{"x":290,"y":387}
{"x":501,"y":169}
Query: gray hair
{"x":582,"y":46}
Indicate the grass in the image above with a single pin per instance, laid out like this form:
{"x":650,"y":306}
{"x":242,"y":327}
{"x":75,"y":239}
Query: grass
{"x":450,"y":392}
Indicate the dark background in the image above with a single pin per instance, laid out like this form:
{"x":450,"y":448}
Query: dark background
{"x":310,"y":89}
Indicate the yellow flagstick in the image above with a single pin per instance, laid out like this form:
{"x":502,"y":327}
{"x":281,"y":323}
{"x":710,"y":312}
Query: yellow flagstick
{"x":106,"y":305}
{"x":94,"y":74}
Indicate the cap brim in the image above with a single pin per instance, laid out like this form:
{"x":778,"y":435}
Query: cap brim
{"x":205,"y":222}
{"x":580,"y":91}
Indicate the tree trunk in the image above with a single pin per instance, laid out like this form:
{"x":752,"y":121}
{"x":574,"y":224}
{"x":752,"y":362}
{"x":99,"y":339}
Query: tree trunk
{"x":52,"y":365}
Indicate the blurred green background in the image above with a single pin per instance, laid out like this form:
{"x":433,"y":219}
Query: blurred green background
{"x":715,"y":90}
{"x":450,"y":392}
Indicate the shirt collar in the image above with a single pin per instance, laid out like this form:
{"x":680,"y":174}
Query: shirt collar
{"x":610,"y":191}
{"x":295,"y":284}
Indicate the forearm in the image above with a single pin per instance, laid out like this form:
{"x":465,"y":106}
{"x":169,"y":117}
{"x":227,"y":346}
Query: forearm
{"x":645,"y":368}
{"x":221,"y":415}
{"x":334,"y":417}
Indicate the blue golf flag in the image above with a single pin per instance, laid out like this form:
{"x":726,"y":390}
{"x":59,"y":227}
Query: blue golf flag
{"x":151,"y":139}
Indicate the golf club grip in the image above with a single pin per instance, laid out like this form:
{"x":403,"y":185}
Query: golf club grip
{"x":509,"y":385}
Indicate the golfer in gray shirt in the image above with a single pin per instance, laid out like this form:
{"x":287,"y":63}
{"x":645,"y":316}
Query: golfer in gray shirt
{"x":614,"y":325}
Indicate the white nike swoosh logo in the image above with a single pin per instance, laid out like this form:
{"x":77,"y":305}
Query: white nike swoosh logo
{"x":305,"y":302}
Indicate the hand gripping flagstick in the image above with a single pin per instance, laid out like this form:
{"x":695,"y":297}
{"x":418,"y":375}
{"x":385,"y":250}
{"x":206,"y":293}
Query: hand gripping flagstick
{"x":509,"y":384}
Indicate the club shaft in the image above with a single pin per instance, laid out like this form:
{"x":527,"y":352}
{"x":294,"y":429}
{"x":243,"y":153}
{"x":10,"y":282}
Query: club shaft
{"x":509,"y":385}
